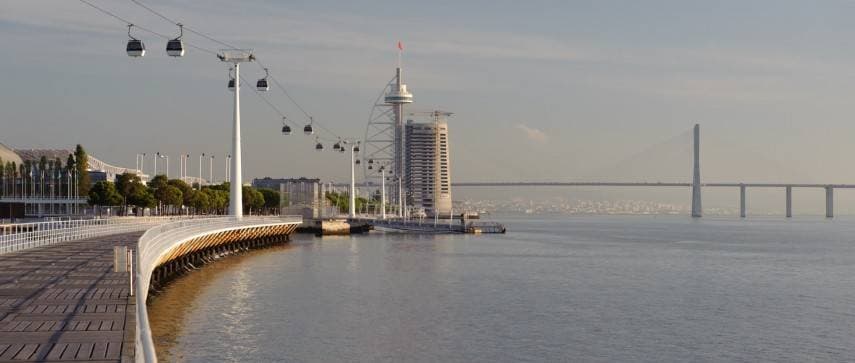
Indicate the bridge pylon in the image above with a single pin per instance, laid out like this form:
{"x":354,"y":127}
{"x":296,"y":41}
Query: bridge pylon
{"x":697,"y":210}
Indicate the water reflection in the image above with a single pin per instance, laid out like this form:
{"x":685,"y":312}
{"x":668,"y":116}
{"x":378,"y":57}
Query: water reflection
{"x":585,"y":289}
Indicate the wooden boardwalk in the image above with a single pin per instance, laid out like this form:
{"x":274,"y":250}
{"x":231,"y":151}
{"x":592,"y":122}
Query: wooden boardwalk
{"x":64,"y":303}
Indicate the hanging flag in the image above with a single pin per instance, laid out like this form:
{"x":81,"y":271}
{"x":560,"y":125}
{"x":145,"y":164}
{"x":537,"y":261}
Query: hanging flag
{"x":400,"y":45}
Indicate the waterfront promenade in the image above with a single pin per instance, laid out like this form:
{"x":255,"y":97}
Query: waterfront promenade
{"x":64,"y":302}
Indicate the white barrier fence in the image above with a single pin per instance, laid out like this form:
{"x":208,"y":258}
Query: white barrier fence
{"x":21,"y":236}
{"x":160,"y":240}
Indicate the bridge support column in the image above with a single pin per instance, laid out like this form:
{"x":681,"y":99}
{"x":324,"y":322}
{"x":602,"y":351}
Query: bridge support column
{"x":697,"y":210}
{"x":789,"y":202}
{"x":742,"y":212}
{"x":829,"y":202}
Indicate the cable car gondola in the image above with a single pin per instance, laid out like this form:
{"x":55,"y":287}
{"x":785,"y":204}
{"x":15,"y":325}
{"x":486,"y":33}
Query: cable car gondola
{"x":286,"y":130}
{"x":356,"y":148}
{"x":337,"y":146}
{"x":357,"y":162}
{"x":319,"y":146}
{"x":135,"y":47}
{"x":370,"y":167}
{"x":231,"y":81}
{"x":175,"y":47}
{"x":371,"y":161}
{"x":308,"y":129}
{"x":262,"y":85}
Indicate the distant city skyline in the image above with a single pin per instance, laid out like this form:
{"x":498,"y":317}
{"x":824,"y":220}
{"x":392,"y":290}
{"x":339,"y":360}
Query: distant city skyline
{"x":546,"y":90}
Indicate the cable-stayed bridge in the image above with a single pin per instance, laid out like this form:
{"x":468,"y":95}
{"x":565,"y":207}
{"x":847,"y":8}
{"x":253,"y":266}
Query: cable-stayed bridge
{"x":696,"y":185}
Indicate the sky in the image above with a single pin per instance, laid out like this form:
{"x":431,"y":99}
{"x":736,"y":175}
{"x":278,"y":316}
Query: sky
{"x":540,"y":90}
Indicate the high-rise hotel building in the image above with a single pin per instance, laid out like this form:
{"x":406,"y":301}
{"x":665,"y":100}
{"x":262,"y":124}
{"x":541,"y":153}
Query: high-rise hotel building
{"x":428,"y":169}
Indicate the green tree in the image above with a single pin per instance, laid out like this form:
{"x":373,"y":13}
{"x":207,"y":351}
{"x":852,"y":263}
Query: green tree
{"x":271,"y":198}
{"x":104,"y":193}
{"x":158,"y":182}
{"x":200,"y":201}
{"x":143,"y":198}
{"x":133,"y":192}
{"x":69,"y":162}
{"x":252,"y":199}
{"x":81,"y":162}
{"x":43,"y":163}
{"x":218,"y":199}
{"x":125,"y":184}
{"x":186,"y":190}
{"x":169,"y":195}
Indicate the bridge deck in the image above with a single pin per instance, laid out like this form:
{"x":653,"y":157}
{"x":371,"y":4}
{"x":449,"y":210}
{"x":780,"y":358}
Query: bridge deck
{"x":64,"y":302}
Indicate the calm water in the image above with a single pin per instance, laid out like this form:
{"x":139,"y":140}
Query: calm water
{"x":599,"y":289}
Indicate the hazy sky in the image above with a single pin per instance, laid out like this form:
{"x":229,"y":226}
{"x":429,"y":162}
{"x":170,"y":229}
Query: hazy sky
{"x":540,"y":89}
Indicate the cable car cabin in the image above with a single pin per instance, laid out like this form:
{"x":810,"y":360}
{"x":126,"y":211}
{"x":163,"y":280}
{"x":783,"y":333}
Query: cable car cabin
{"x":356,"y":149}
{"x":136,"y":48}
{"x":175,"y":48}
{"x":232,"y":84}
{"x":262,"y":85}
{"x":286,"y":130}
{"x":308,"y":130}
{"x":357,"y":162}
{"x":371,"y":161}
{"x":370,"y":167}
{"x":336,"y":146}
{"x":319,"y":147}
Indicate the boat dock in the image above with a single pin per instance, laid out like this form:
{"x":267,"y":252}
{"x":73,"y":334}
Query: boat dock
{"x":429,"y":226}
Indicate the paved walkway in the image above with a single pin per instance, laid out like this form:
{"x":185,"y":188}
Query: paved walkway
{"x":65,"y":303}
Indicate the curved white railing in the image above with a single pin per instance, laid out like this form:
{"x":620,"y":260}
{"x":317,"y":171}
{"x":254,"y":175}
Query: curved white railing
{"x":159,"y":241}
{"x":21,"y":236}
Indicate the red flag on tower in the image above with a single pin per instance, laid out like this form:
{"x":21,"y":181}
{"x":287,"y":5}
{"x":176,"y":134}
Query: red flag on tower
{"x":400,"y":45}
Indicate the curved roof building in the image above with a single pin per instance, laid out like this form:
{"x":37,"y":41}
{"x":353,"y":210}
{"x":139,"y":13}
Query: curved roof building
{"x":7,"y":155}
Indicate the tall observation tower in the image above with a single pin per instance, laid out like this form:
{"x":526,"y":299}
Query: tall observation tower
{"x":385,"y":143}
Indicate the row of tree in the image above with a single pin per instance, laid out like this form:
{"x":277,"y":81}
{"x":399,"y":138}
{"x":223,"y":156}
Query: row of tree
{"x":342,"y":201}
{"x":174,"y":196}
{"x":30,"y":172}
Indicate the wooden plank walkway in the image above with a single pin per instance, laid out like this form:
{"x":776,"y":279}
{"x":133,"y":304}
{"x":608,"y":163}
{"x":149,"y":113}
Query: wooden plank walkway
{"x":64,"y":303}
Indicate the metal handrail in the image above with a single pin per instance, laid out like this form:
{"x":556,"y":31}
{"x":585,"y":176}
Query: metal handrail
{"x":21,"y":236}
{"x":160,"y":240}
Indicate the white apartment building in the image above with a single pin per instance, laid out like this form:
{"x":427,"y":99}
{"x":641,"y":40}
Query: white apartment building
{"x":428,"y":167}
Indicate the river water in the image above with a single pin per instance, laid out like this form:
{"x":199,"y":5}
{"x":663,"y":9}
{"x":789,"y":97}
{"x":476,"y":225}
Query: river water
{"x":598,"y":289}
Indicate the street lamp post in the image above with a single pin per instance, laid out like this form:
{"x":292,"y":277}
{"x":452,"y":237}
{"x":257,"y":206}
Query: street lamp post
{"x":352,"y":206}
{"x":382,"y":192}
{"x":200,"y":170}
{"x":156,"y":156}
{"x":164,"y":156}
{"x":211,"y":171}
{"x":236,"y":57}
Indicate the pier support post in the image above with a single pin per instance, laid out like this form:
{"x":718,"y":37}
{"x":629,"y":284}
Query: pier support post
{"x":789,"y":202}
{"x":742,"y":211}
{"x":697,"y":210}
{"x":829,"y":202}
